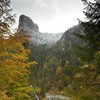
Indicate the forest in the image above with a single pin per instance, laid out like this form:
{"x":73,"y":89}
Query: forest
{"x":70,"y":67}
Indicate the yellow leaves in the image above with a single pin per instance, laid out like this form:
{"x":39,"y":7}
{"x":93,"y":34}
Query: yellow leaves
{"x":85,"y":66}
{"x":78,"y":75}
{"x":36,"y":89}
{"x":8,"y":62}
{"x":58,"y":71}
{"x":14,"y":66}
{"x":24,"y":88}
{"x":21,"y":57}
{"x":3,"y":95}
{"x":97,"y":53}
{"x":3,"y":54}
{"x":31,"y":63}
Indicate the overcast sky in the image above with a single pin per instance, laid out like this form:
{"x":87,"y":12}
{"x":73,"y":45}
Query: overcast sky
{"x":52,"y":16}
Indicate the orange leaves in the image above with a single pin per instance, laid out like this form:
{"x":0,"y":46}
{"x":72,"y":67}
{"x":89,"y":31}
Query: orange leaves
{"x":58,"y":71}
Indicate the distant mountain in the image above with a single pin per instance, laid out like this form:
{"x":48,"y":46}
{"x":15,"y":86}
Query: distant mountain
{"x":37,"y":38}
{"x":69,"y":35}
{"x":60,"y":42}
{"x":60,"y":45}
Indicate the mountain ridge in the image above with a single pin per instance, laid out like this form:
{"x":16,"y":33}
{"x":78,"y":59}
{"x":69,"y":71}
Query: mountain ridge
{"x":37,"y":38}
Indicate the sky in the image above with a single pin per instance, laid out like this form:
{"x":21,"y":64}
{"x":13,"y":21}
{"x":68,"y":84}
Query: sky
{"x":52,"y":16}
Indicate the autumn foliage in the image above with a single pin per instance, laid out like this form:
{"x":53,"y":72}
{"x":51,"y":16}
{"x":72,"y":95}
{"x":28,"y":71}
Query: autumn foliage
{"x":14,"y":68}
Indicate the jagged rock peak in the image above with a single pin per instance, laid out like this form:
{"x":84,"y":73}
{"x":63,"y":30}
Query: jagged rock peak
{"x":25,"y":23}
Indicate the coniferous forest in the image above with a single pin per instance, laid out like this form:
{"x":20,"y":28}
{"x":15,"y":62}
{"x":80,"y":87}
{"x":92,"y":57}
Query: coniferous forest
{"x":70,"y":67}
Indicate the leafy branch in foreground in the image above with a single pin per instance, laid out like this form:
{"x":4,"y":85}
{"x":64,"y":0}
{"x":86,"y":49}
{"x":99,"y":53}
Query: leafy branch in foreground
{"x":14,"y":68}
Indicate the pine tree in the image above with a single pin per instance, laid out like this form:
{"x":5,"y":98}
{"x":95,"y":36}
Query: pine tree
{"x":6,"y":18}
{"x":91,"y":29}
{"x":87,"y":78}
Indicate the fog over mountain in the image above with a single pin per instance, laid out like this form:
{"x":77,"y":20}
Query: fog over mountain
{"x":50,"y":13}
{"x":37,"y":38}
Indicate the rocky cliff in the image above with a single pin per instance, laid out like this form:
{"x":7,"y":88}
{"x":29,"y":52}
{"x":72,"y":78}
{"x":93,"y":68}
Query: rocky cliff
{"x":26,"y":24}
{"x":37,"y":38}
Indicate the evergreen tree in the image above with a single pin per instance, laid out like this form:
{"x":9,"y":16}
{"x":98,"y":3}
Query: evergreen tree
{"x":6,"y":18}
{"x":91,"y":28}
{"x":87,"y":78}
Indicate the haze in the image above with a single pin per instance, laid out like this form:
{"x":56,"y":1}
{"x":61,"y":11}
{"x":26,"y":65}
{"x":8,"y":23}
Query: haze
{"x":53,"y":16}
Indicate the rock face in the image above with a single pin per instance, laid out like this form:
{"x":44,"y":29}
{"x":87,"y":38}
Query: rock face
{"x":37,"y":38}
{"x":26,"y":24}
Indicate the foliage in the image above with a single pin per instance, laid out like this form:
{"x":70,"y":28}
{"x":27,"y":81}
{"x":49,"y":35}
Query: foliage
{"x":92,"y":11}
{"x":91,"y":35}
{"x":58,"y":71}
{"x":86,"y":81}
{"x":14,"y":63}
{"x":14,"y":67}
{"x":6,"y":18}
{"x":86,"y":84}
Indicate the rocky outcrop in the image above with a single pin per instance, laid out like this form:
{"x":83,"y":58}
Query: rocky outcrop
{"x":26,"y":24}
{"x":37,"y":38}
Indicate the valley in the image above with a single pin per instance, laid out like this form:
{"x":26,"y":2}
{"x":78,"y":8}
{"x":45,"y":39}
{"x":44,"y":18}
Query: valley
{"x":45,"y":66}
